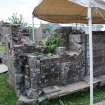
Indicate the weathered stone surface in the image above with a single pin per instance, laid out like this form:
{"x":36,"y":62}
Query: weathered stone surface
{"x":98,"y":53}
{"x":61,"y":51}
{"x":40,"y":70}
{"x":51,"y":89}
{"x":33,"y":93}
{"x":19,"y":78}
{"x":23,"y":100}
{"x":34,"y":72}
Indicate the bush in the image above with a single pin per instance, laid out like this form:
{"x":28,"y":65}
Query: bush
{"x":52,"y":42}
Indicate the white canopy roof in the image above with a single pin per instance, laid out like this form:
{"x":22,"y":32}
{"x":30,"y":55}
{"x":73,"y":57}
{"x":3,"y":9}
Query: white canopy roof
{"x":92,"y":3}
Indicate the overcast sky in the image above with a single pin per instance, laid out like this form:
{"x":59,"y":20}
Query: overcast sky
{"x":24,"y":7}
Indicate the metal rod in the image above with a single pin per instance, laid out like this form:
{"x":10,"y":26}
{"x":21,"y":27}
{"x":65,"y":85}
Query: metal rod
{"x":33,"y":31}
{"x":90,"y":53}
{"x":86,"y":63}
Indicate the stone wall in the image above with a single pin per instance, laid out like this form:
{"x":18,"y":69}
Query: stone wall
{"x":32,"y":69}
{"x":59,"y":70}
{"x":99,"y":53}
{"x":35,"y":71}
{"x":98,"y":49}
{"x":12,"y":35}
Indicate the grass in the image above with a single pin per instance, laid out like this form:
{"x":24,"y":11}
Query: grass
{"x":2,"y":48}
{"x":7,"y":93}
{"x":8,"y":96}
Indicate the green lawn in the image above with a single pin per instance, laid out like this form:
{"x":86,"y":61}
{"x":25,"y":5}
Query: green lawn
{"x":8,"y":97}
{"x":2,"y":48}
{"x":7,"y":94}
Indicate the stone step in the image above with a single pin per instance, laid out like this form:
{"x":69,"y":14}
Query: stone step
{"x":100,"y":103}
{"x":25,"y":101}
{"x":72,"y":88}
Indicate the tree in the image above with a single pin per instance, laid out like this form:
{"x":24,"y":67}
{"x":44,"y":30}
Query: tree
{"x":17,"y":19}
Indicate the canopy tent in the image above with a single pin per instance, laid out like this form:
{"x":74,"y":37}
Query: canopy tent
{"x":63,"y":11}
{"x":74,"y":11}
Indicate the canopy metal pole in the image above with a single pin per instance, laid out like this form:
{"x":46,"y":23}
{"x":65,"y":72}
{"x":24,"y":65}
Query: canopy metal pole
{"x":90,"y":53}
{"x":33,"y":31}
